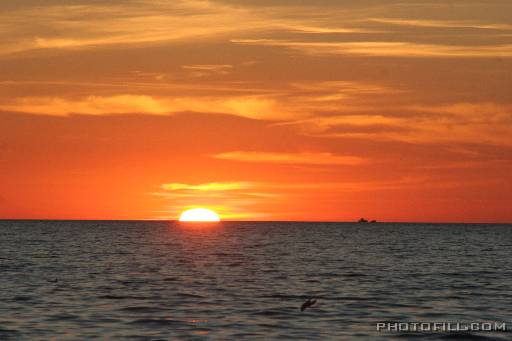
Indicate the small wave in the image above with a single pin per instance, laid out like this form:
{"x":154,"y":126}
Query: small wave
{"x":400,"y":305}
{"x":447,"y":336}
{"x":60,"y":317}
{"x":433,"y":315}
{"x":284,"y":297}
{"x":7,"y":332}
{"x":170,"y":279}
{"x":467,"y":336}
{"x":245,"y":336}
{"x":355,"y":274}
{"x":267,"y":313}
{"x":142,"y":309}
{"x":283,"y":313}
{"x":22,"y":298}
{"x":122,"y":297}
{"x":220,"y":254}
{"x":329,"y":274}
{"x":360,"y":305}
{"x":186,"y":295}
{"x":156,"y":322}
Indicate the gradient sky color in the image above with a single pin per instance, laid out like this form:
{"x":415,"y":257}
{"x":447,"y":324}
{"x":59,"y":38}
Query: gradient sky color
{"x":393,"y":110}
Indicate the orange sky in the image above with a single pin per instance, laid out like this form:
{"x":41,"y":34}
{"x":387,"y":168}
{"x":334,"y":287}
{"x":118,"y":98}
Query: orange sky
{"x":393,"y":110}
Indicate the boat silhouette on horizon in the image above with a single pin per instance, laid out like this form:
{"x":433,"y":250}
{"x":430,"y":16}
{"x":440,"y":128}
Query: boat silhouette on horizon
{"x":364,"y":221}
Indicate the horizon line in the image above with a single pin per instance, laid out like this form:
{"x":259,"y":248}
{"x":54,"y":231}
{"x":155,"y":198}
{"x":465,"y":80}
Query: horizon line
{"x":268,"y":221}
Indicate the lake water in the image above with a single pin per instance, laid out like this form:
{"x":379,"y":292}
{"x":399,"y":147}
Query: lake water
{"x":246,"y":281}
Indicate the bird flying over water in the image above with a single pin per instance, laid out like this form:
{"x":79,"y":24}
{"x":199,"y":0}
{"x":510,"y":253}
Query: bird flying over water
{"x":309,"y":303}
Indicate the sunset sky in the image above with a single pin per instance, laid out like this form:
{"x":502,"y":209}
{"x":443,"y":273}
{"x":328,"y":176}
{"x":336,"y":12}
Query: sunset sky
{"x":395,"y":110}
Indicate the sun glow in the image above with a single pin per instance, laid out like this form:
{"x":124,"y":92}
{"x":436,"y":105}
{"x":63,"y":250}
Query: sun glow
{"x":199,"y":214}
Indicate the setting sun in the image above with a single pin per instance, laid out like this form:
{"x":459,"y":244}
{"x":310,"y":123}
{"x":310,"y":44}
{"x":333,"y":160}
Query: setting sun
{"x":199,"y":214}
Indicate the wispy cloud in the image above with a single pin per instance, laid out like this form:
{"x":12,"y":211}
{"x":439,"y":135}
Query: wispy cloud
{"x":472,"y":123}
{"x":251,"y":199}
{"x":211,"y":186}
{"x":131,"y":22}
{"x":292,"y":158}
{"x":96,"y":24}
{"x":325,"y":30}
{"x":285,"y":101}
{"x":386,"y":48}
{"x":232,"y":200}
{"x":246,"y":106}
{"x":442,"y":23}
{"x":100,"y":24}
{"x":208,"y":69}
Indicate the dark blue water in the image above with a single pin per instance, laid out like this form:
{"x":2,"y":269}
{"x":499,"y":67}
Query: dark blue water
{"x":246,"y":281}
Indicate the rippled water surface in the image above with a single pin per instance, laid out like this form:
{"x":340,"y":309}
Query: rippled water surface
{"x":246,"y":281}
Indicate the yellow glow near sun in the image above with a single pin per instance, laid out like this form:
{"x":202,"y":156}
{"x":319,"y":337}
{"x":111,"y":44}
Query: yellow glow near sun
{"x":199,"y":214}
